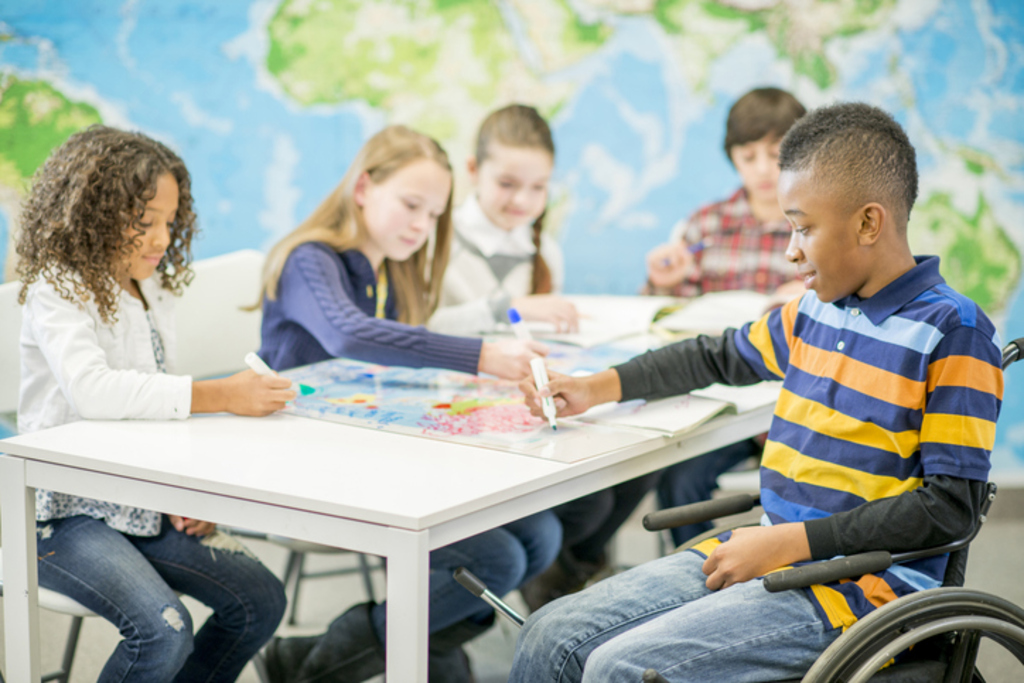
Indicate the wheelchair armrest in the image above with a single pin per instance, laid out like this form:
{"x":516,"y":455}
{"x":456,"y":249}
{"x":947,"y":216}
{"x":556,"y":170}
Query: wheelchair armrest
{"x":828,"y":571}
{"x":701,"y":512}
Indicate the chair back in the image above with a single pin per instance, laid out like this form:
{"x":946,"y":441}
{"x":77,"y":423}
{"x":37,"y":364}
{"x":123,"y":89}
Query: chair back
{"x":10,"y":357}
{"x":214,"y":333}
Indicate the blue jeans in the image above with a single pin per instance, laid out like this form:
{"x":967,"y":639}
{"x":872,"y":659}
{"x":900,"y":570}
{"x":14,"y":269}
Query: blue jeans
{"x":693,"y":481}
{"x":131,"y":581}
{"x":503,"y":558}
{"x":660,"y":615}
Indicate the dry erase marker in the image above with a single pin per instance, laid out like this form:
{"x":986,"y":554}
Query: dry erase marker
{"x":540,"y":378}
{"x":518,"y":326}
{"x":261,"y":368}
{"x":694,"y":248}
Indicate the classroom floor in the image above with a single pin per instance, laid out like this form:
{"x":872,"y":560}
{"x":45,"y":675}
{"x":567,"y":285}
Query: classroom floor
{"x":995,"y":566}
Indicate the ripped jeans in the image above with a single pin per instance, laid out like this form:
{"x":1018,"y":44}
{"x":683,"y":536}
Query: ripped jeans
{"x":131,"y":582}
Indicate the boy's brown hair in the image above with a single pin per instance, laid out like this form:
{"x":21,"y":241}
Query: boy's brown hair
{"x":761,"y":112}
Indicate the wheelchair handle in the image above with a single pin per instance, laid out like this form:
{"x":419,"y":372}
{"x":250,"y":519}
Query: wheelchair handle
{"x":474,"y":585}
{"x":1013,"y":352}
{"x":700,"y":512}
{"x":828,"y":571}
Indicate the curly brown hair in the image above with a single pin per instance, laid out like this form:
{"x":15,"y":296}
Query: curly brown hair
{"x":91,"y":189}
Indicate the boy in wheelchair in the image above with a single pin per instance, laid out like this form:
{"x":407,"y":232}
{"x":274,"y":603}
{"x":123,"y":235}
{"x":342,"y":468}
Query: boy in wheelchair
{"x":880,"y":439}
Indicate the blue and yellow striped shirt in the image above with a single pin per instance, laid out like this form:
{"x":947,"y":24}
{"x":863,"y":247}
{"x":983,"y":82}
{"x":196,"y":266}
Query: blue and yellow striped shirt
{"x":877,"y":394}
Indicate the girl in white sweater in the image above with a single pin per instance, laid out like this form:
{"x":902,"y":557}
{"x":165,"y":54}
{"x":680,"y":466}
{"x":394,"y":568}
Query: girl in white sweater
{"x":501,"y":258}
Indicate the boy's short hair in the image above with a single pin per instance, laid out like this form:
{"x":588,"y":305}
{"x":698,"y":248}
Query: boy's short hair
{"x":760,"y":113}
{"x":859,"y":151}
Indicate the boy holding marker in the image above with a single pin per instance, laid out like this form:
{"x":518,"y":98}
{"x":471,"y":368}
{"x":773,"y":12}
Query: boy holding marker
{"x":880,"y":441}
{"x":738,"y":243}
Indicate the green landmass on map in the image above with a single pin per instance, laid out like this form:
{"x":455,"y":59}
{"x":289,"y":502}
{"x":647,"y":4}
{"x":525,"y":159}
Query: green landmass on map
{"x":336,"y":50}
{"x":979,"y":259}
{"x":798,"y":31}
{"x":34,"y":119}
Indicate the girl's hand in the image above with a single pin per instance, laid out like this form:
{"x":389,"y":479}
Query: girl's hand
{"x":573,"y":395}
{"x":192,"y":527}
{"x":754,"y":551}
{"x":509,"y":358}
{"x":550,"y":309}
{"x":244,"y":393}
{"x":668,"y":264}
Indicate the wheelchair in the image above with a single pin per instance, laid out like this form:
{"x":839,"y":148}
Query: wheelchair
{"x":931,"y":636}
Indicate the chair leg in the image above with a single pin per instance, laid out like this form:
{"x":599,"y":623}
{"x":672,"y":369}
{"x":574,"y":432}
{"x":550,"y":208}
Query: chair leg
{"x":293,"y":573}
{"x":63,"y":674}
{"x":365,"y":569}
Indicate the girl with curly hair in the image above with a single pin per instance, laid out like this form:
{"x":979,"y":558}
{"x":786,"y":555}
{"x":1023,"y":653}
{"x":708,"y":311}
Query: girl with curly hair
{"x":105,"y":247}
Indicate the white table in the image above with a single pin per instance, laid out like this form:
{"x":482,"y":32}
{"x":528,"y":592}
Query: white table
{"x":369,"y":491}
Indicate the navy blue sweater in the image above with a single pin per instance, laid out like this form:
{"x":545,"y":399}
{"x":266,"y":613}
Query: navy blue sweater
{"x":325,"y":308}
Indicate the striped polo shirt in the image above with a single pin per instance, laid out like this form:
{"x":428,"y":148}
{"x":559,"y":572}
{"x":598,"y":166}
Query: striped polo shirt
{"x":877,"y":394}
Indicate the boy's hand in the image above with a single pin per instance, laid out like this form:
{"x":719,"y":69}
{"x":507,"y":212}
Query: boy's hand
{"x":509,"y":358}
{"x":573,"y":395}
{"x":548,"y":308}
{"x":192,"y":527}
{"x":755,"y":551}
{"x":668,"y":264}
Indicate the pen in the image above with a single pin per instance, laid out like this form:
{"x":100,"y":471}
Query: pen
{"x":261,"y":368}
{"x":518,"y":326}
{"x":694,"y":248}
{"x":540,"y":378}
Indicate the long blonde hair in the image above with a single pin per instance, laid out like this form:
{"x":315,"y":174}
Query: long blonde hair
{"x":338,"y":222}
{"x":518,"y":125}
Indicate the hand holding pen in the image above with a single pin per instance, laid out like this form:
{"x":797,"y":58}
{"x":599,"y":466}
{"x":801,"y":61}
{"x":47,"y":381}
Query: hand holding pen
{"x":537,"y":369}
{"x":668,"y":264}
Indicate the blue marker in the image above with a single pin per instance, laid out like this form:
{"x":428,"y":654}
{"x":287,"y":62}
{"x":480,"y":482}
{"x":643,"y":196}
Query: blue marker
{"x":694,"y":248}
{"x":518,"y":326}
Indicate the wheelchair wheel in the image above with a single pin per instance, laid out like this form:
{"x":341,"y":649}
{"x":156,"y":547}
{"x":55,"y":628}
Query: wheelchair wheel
{"x":966,"y":615}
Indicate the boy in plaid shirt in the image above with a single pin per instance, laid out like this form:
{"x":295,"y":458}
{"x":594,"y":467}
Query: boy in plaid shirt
{"x":742,"y":245}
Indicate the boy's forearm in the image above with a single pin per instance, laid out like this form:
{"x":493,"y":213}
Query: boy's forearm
{"x":604,"y":387}
{"x":684,"y":366}
{"x":944,"y":509}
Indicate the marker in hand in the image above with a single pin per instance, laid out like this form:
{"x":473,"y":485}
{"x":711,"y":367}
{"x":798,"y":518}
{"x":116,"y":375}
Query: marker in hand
{"x":694,"y":248}
{"x":540,"y":378}
{"x":540,"y":373}
{"x":261,"y":368}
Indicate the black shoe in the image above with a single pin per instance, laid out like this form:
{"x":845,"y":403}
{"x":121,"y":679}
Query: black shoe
{"x":282,"y":657}
{"x":349,"y":652}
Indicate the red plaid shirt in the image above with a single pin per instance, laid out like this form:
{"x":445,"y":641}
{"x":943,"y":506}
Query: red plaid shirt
{"x":740,"y":253}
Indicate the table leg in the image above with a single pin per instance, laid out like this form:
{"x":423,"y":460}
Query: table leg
{"x":408,"y":607}
{"x":21,"y":592}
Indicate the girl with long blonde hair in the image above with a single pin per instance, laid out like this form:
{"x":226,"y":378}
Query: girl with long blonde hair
{"x":356,"y":279}
{"x":360,"y":276}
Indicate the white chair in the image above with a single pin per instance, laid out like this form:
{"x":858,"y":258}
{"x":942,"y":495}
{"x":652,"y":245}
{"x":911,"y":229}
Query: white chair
{"x":223,"y":286}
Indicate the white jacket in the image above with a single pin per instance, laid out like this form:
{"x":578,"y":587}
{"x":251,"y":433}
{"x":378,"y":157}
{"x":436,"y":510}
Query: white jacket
{"x":489,"y":267}
{"x":74,"y":366}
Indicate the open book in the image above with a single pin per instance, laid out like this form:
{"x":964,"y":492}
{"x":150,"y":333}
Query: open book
{"x":679,"y":414}
{"x":606,"y":318}
{"x":713,"y":313}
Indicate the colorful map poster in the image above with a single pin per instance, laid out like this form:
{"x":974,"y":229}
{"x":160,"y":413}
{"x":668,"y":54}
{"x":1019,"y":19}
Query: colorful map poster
{"x":456,"y":406}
